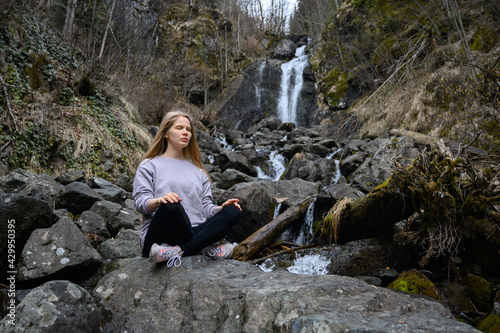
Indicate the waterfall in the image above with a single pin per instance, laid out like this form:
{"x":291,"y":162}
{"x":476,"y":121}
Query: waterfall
{"x":276,"y":166}
{"x":306,"y":230}
{"x":291,"y":85}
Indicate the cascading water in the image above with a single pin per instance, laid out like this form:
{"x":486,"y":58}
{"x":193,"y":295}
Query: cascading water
{"x":291,"y":85}
{"x":275,"y":167}
{"x":258,"y":95}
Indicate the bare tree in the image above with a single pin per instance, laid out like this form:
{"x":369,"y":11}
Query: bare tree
{"x":70,"y":17}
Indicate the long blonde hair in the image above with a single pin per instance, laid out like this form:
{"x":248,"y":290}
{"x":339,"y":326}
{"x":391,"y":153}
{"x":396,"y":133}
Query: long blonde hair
{"x":160,"y":143}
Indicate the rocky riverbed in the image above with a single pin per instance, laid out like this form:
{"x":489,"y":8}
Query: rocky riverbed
{"x":79,"y":266}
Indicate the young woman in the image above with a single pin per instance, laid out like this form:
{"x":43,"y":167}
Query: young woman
{"x":172,"y":192}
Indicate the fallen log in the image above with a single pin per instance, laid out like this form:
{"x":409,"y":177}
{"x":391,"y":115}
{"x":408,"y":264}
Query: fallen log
{"x":257,"y":241}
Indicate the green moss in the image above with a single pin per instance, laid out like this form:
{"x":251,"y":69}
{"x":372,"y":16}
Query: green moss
{"x":484,"y":39}
{"x":490,"y":324}
{"x":334,"y":87}
{"x":414,"y":282}
{"x":479,"y":292}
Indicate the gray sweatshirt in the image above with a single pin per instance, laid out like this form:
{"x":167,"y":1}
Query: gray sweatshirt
{"x":161,"y":175}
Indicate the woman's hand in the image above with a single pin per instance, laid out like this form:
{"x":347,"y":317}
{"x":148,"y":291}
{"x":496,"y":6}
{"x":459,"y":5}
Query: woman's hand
{"x":231,"y":202}
{"x":171,"y":197}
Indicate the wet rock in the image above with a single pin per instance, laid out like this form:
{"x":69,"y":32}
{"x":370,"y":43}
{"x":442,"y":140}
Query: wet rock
{"x":125,"y":245}
{"x":71,"y":176}
{"x":233,"y":296}
{"x":55,"y":306}
{"x":60,"y":250}
{"x":92,"y":223}
{"x":77,"y":197}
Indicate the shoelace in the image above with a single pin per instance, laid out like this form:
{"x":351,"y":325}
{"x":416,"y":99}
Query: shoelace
{"x":216,"y":252}
{"x":174,"y":257}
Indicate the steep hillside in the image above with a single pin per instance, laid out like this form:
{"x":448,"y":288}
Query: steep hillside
{"x":426,"y":66}
{"x":55,"y":119}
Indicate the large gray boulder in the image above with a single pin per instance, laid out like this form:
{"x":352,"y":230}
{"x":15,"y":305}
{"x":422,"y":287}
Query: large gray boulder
{"x":92,"y":223}
{"x":56,"y":306}
{"x":77,"y":197}
{"x":107,"y":190}
{"x":125,"y":245}
{"x":377,"y":168}
{"x":42,"y":187}
{"x":310,"y":167}
{"x":231,"y":296}
{"x":21,"y":215}
{"x":61,"y":250}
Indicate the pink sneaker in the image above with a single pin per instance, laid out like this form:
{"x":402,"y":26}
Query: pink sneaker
{"x":224,"y":251}
{"x":164,"y":252}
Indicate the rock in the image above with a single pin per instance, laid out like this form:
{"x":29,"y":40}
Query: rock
{"x":126,"y":219}
{"x":125,"y":182}
{"x":415,"y":282}
{"x":55,"y":306}
{"x":71,"y":176}
{"x":290,"y":150}
{"x":454,"y":296}
{"x":479,"y":292}
{"x":106,"y":209}
{"x":61,"y":250}
{"x":271,"y":123}
{"x":233,"y":160}
{"x":231,"y":177}
{"x":377,"y":168}
{"x":285,"y":50}
{"x":206,"y":143}
{"x":93,"y":223}
{"x":115,"y":216}
{"x":349,"y":164}
{"x":310,"y":167}
{"x":77,"y":197}
{"x":107,"y":190}
{"x":342,"y":190}
{"x":234,"y":296}
{"x":125,"y":245}
{"x":23,"y":215}
{"x":42,"y":187}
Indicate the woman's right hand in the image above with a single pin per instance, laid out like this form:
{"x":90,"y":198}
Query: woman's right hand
{"x":167,"y":198}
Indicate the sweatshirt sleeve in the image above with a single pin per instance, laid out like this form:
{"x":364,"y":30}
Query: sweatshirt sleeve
{"x":143,"y":189}
{"x":207,"y":199}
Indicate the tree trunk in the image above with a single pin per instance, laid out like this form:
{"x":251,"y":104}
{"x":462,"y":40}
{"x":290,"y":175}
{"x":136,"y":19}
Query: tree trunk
{"x":265,"y":235}
{"x":107,"y":28}
{"x":70,"y":16}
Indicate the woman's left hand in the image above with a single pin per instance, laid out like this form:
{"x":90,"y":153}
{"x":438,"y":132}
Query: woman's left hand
{"x":231,"y":202}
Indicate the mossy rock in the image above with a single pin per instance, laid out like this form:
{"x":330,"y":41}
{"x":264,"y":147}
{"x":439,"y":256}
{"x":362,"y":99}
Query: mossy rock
{"x":490,"y":324}
{"x":414,"y":282}
{"x":479,"y":292}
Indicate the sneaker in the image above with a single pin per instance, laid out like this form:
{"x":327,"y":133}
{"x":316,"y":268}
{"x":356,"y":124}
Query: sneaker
{"x":164,"y":252}
{"x":218,"y":252}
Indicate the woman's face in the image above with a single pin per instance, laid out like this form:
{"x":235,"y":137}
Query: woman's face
{"x":179,"y":135}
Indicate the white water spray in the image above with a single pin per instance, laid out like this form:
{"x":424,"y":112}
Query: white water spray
{"x":291,"y":85}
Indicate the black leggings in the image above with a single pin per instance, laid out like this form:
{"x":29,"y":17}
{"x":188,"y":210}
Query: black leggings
{"x":170,"y":224}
